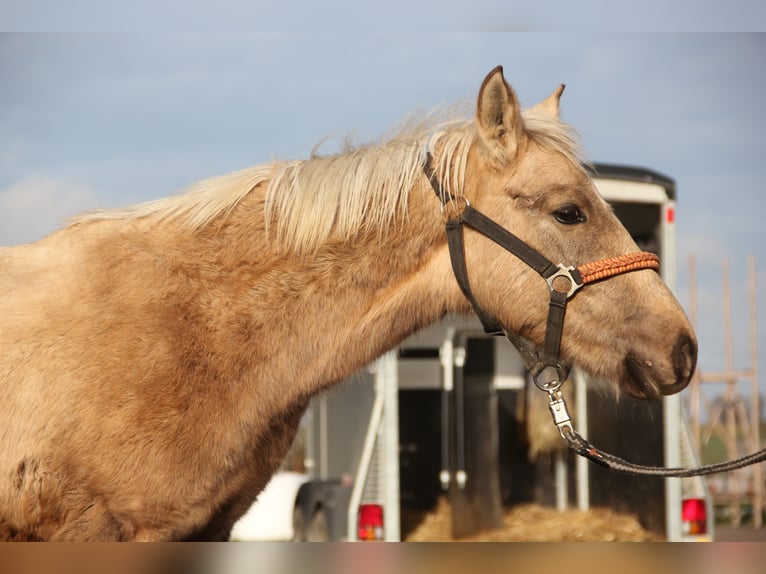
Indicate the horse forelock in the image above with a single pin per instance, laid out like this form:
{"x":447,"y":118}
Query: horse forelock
{"x":362,"y":188}
{"x":554,"y":134}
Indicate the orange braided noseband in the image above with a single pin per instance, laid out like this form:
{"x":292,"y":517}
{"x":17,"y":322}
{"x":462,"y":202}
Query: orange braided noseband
{"x":611,"y":266}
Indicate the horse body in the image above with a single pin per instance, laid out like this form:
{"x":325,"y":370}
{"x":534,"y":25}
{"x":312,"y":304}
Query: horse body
{"x":151,"y":372}
{"x":156,"y":361}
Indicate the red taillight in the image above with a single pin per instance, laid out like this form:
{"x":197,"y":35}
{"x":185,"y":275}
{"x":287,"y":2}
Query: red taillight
{"x":694,"y":516}
{"x":370,"y":524}
{"x":670,"y":215}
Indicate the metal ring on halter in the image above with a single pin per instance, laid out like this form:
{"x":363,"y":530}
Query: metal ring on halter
{"x":565,"y":271}
{"x":452,"y":200}
{"x":550,"y":378}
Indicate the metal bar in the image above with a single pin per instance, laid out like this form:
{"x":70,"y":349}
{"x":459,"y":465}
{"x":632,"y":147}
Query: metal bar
{"x":581,"y":464}
{"x":700,"y":482}
{"x":364,"y":460}
{"x":671,"y":405}
{"x":447,"y":358}
{"x":387,"y":380}
{"x":672,"y":444}
{"x":324,"y":446}
{"x":460,"y":470}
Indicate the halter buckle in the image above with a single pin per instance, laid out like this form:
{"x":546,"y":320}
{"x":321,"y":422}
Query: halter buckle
{"x":452,"y":202}
{"x":565,"y":271}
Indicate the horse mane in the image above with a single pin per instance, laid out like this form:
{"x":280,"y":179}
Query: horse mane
{"x":361,"y":188}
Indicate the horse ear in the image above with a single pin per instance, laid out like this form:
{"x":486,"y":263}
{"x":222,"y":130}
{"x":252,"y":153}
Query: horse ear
{"x":498,"y":115}
{"x":550,"y":105}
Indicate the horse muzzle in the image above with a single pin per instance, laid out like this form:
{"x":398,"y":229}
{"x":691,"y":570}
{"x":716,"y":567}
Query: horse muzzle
{"x":643,"y":380}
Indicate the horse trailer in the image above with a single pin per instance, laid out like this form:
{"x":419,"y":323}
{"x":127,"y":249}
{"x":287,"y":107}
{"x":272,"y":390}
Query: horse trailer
{"x":446,"y":414}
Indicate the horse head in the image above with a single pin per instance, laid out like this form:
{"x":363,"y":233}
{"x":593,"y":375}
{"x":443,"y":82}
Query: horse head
{"x":524,"y":171}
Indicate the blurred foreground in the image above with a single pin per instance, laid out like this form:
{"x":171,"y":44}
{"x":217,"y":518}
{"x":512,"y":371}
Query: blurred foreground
{"x":376,"y":558}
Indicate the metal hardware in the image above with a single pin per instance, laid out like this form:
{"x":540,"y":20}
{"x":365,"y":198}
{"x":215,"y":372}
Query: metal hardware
{"x":559,"y":411}
{"x":566,"y":272}
{"x":452,"y":202}
{"x":548,"y":379}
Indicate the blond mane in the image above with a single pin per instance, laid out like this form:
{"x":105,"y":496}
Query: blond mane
{"x":362,"y":188}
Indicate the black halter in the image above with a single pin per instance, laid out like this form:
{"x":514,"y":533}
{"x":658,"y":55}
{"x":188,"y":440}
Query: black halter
{"x":544,"y":364}
{"x":547,"y":370}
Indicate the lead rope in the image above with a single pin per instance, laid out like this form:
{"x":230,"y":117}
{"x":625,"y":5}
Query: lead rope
{"x":581,"y":446}
{"x":547,"y":372}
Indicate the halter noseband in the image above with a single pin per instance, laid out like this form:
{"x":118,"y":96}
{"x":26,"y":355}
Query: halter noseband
{"x":563,"y":281}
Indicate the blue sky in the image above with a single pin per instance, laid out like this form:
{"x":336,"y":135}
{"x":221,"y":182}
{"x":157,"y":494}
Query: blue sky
{"x":100,"y":120}
{"x":332,"y":16}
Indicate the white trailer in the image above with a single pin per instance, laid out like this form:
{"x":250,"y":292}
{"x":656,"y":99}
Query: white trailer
{"x":406,"y":428}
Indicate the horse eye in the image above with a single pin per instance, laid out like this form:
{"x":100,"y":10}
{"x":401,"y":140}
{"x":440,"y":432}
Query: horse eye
{"x":569,"y":214}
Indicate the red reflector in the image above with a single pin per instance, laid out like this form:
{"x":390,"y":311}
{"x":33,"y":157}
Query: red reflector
{"x":694,"y":516}
{"x":670,"y":215}
{"x":370,"y":523}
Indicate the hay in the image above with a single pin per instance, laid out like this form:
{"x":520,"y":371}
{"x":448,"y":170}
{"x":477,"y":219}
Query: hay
{"x":535,"y":523}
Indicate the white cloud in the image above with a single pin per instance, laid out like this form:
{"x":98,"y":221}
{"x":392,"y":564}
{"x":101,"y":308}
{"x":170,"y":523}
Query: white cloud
{"x":34,"y":207}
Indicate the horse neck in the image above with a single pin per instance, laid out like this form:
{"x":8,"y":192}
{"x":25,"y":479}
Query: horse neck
{"x":335,"y":309}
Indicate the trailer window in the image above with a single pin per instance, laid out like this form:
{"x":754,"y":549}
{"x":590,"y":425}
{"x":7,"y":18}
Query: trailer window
{"x":642,"y":220}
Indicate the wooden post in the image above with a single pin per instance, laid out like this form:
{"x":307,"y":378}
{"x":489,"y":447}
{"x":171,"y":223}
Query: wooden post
{"x":729,"y":417}
{"x":695,"y":391}
{"x":755,"y":408}
{"x":730,"y":413}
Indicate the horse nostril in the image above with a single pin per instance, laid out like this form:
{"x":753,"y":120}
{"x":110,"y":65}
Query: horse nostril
{"x":684,"y":359}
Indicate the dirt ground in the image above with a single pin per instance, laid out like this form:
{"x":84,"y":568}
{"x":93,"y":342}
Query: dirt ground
{"x":535,"y":523}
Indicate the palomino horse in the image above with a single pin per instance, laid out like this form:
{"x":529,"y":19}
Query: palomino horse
{"x":156,"y":360}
